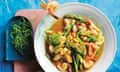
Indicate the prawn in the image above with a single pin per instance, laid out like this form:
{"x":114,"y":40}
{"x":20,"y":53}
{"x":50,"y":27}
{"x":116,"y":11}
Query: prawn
{"x":50,"y":7}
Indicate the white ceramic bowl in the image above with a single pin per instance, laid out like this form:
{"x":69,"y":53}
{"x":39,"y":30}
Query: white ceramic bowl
{"x":85,"y":10}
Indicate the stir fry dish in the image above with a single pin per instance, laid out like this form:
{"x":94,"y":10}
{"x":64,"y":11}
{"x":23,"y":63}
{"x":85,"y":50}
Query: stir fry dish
{"x":74,"y":43}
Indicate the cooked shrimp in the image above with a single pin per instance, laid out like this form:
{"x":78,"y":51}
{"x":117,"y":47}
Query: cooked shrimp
{"x":62,"y":41}
{"x":67,"y":51}
{"x":88,"y":63}
{"x":92,"y":49}
{"x":68,"y":58}
{"x":89,"y":49}
{"x":74,"y":29}
{"x":50,"y":48}
{"x":83,"y":38}
{"x":57,"y":57}
{"x":51,"y":7}
{"x":93,"y":25}
{"x":61,"y":66}
{"x":66,"y":21}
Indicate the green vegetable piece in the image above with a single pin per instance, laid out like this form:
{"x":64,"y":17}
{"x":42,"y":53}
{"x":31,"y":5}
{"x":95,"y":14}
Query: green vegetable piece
{"x":54,"y":39}
{"x":78,"y":32}
{"x":81,"y":43}
{"x":98,"y":51}
{"x":75,"y":64}
{"x":69,"y":28}
{"x":76,"y":17}
{"x":77,"y":56}
{"x":77,"y":59}
{"x":91,"y":38}
{"x":81,"y":67}
{"x":73,"y":49}
{"x":83,"y":46}
{"x":80,"y":58}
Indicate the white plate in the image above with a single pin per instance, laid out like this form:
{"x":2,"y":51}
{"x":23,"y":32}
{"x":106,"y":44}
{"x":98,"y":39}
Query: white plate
{"x":85,"y":10}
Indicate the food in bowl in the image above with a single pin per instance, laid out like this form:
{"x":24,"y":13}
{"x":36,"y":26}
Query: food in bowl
{"x":74,"y":43}
{"x":20,"y":37}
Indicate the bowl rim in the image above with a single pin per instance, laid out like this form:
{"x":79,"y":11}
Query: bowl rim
{"x":97,"y":10}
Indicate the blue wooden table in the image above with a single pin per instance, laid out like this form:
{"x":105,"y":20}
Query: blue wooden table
{"x":111,"y":8}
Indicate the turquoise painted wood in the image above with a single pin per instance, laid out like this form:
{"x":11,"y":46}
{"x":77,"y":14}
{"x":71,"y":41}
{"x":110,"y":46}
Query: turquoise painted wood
{"x":6,"y":66}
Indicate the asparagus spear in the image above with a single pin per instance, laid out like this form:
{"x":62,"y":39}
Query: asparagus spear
{"x":67,"y":31}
